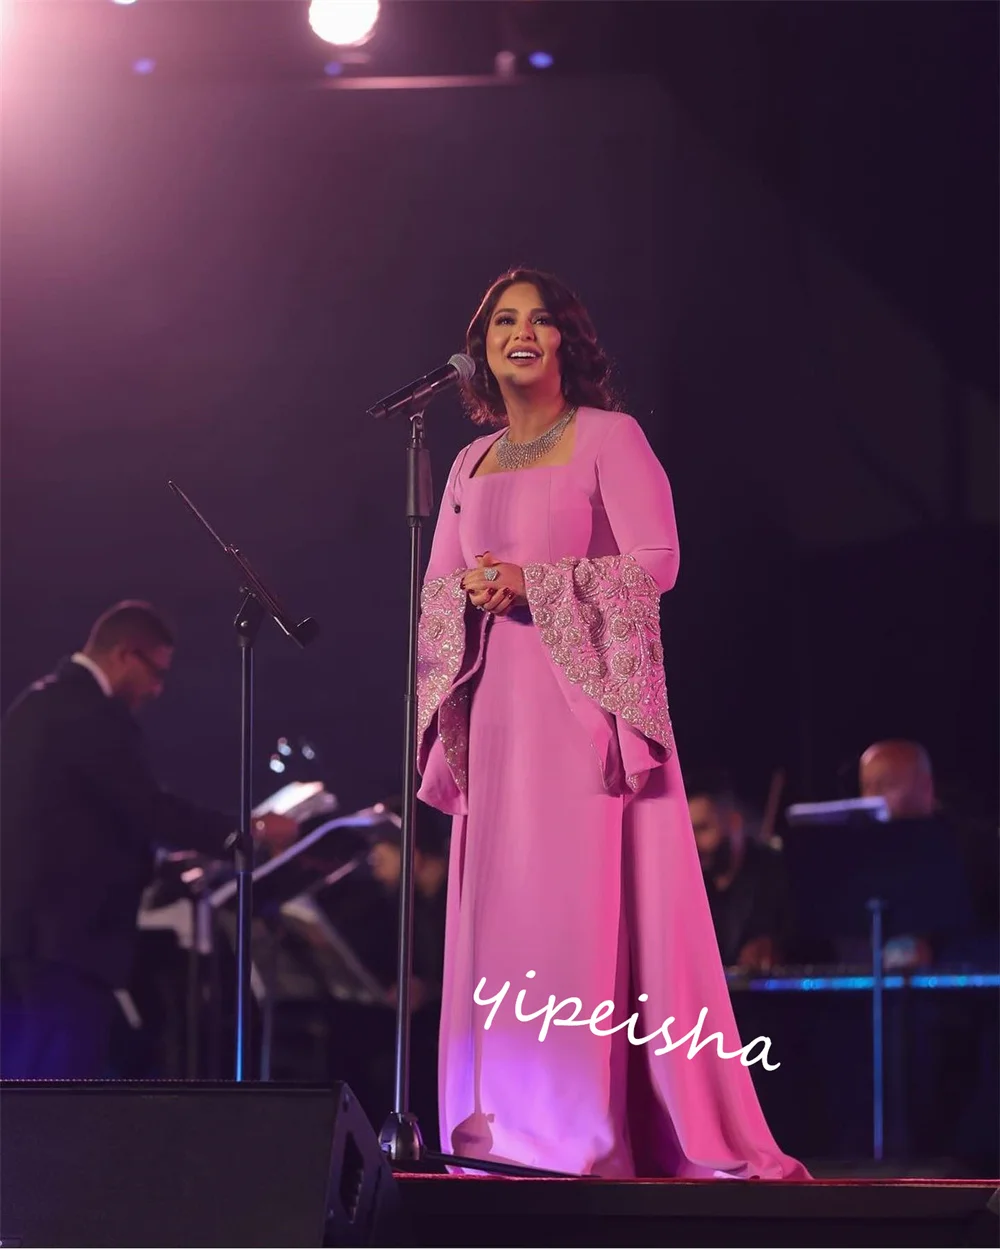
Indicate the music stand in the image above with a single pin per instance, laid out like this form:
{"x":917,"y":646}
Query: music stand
{"x":838,"y":812}
{"x":285,"y":888}
{"x":256,"y":602}
{"x":342,"y":972}
{"x":859,"y":883}
{"x":299,"y":800}
{"x":913,"y":866}
{"x":305,"y":866}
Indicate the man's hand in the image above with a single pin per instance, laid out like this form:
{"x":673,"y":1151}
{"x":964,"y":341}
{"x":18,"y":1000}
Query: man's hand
{"x":276,"y":832}
{"x":900,"y":954}
{"x":420,"y":994}
{"x":758,"y":955}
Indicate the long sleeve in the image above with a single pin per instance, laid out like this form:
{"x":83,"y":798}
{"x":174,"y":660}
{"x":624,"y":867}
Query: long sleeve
{"x":638,"y":501}
{"x":443,"y":636}
{"x":599,"y":618}
{"x":446,"y":548}
{"x":110,"y":759}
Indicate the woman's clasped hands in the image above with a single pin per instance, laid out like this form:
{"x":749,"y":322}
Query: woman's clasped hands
{"x":494,"y":587}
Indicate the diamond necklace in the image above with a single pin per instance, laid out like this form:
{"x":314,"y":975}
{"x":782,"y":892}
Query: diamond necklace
{"x":519,"y":455}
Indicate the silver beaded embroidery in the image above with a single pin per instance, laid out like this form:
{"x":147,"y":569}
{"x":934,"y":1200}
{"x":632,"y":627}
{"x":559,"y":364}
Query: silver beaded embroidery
{"x":443,"y":687}
{"x":600,"y":621}
{"x":440,"y":644}
{"x":512,"y":456}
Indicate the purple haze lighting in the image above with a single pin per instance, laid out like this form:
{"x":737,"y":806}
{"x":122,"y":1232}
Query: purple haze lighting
{"x":541,"y":60}
{"x":145,"y":65}
{"x":333,"y":69}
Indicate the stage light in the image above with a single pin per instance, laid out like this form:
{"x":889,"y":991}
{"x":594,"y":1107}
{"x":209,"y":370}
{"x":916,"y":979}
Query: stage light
{"x":276,"y":764}
{"x":333,"y":69}
{"x":347,"y":23}
{"x":123,"y":1}
{"x":541,"y":60}
{"x":145,"y":65}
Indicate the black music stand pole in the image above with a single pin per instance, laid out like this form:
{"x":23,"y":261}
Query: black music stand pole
{"x":400,"y":1137}
{"x":247,"y":624}
{"x":257,"y":603}
{"x":876,"y":907}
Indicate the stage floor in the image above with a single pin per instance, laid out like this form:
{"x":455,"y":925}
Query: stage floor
{"x":498,"y":1211}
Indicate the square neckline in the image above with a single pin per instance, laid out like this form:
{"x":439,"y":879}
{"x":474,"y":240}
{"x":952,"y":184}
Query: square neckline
{"x":532,"y":468}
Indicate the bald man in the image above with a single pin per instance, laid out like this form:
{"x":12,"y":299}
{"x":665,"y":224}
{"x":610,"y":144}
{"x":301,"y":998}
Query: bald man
{"x":901,"y":773}
{"x":952,"y":1108}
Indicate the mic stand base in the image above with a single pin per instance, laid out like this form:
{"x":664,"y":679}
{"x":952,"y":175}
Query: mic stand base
{"x":401,"y":1140}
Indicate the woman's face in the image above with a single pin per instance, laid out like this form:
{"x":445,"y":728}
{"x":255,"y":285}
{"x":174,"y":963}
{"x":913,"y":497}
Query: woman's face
{"x":522,"y":342}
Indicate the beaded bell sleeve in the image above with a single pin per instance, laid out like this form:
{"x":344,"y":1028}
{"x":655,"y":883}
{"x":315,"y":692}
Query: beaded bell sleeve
{"x":447,"y":638}
{"x":599,"y":618}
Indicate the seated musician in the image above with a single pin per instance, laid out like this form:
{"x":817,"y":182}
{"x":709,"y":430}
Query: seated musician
{"x":430,"y":875}
{"x":900,"y":772}
{"x":744,"y":879}
{"x":953,"y":1090}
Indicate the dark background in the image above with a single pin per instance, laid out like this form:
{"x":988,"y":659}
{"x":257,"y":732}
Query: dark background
{"x":782,"y":217}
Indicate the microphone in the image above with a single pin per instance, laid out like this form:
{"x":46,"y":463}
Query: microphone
{"x":410,"y":399}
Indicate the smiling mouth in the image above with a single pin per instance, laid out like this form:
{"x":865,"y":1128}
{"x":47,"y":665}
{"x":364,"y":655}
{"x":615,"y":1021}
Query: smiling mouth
{"x":522,"y":358}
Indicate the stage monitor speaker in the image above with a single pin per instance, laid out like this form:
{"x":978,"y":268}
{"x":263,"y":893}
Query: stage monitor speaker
{"x":123,"y":1163}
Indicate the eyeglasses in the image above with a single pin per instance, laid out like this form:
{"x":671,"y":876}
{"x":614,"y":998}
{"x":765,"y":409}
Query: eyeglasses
{"x":159,"y":673}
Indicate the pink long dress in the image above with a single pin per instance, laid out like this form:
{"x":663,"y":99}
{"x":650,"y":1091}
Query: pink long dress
{"x":574,"y":872}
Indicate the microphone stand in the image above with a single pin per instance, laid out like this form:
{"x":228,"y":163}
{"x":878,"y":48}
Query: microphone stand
{"x":400,"y":1137}
{"x":257,"y":602}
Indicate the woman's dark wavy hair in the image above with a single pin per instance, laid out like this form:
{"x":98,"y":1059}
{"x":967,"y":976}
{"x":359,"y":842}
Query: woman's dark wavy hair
{"x":584,"y":365}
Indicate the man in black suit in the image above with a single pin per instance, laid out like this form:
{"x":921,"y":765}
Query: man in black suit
{"x":80,"y":819}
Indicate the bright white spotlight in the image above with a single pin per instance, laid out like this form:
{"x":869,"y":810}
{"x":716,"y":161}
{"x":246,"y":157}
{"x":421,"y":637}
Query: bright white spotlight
{"x":346,"y":23}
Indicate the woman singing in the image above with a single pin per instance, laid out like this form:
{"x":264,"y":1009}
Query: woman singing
{"x":544,"y":730}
